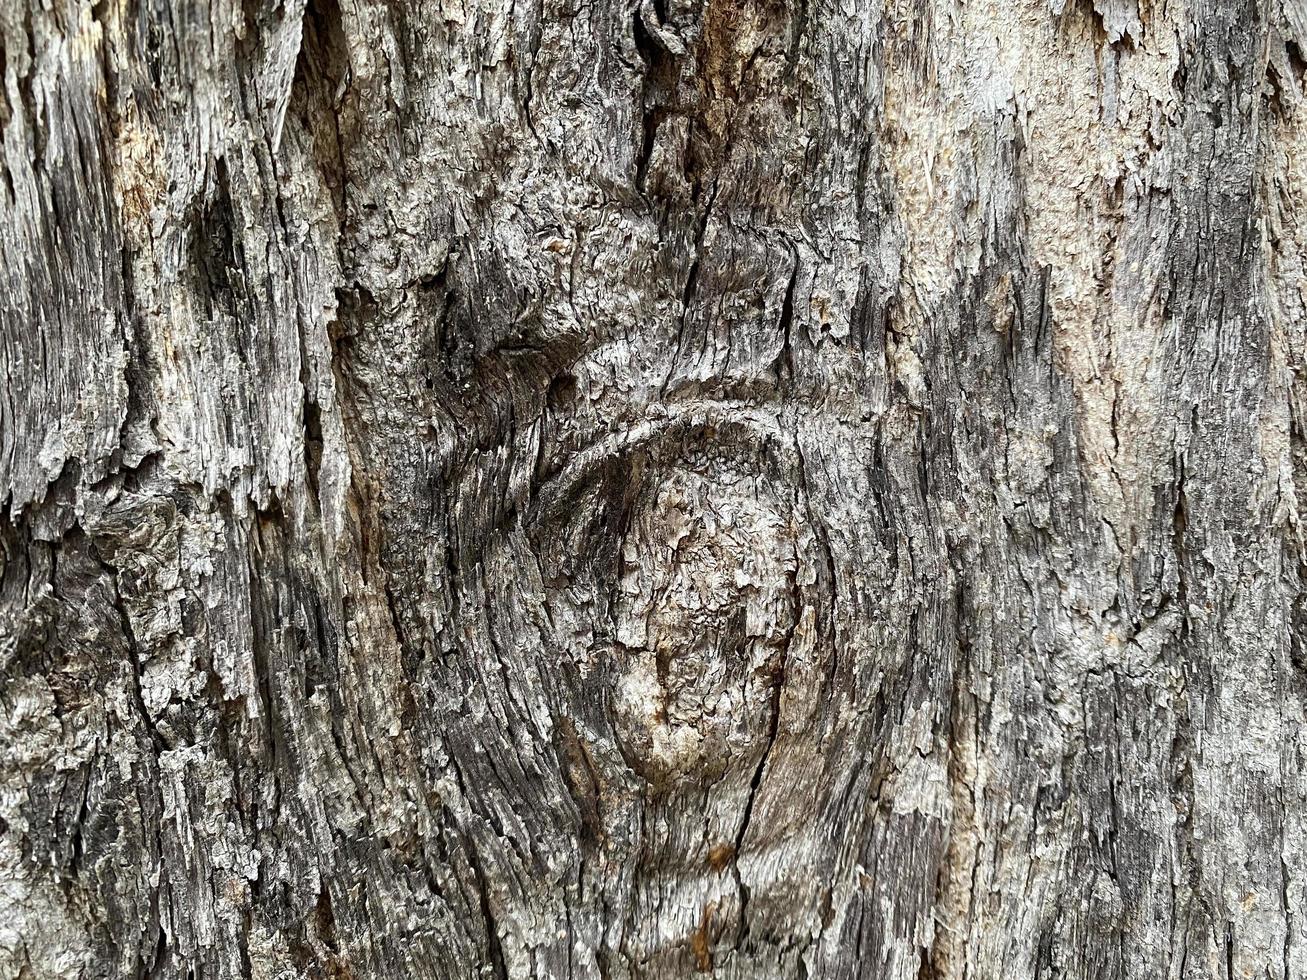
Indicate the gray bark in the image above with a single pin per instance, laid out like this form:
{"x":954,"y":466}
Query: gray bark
{"x":764,"y":488}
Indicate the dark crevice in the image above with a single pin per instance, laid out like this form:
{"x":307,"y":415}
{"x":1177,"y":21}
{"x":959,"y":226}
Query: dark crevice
{"x":653,"y":117}
{"x":1296,"y":60}
{"x":493,"y":947}
{"x":656,"y":92}
{"x":691,"y":286}
{"x":324,"y":921}
{"x":216,"y":260}
{"x":319,"y":92}
{"x":786,"y":366}
{"x":133,"y":652}
{"x":533,"y":53}
{"x":779,"y":669}
{"x":798,"y":29}
{"x":312,"y":440}
{"x":78,"y":846}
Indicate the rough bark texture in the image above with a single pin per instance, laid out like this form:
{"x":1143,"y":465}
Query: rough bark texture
{"x":541,"y":488}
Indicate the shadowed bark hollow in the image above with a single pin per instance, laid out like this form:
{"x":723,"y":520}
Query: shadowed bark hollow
{"x":618,"y":490}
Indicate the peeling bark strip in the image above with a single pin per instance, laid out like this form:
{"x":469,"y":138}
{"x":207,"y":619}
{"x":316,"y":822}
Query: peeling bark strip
{"x":758,"y":488}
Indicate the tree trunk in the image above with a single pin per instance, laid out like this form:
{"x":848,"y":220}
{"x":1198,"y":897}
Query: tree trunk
{"x":764,"y":488}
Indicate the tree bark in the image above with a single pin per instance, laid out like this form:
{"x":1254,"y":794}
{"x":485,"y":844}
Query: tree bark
{"x":761,"y":488}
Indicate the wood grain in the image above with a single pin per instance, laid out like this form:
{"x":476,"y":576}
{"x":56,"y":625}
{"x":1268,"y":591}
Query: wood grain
{"x":755,"y":488}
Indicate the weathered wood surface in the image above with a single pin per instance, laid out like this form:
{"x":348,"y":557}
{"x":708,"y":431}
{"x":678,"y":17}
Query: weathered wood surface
{"x":628,"y":489}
